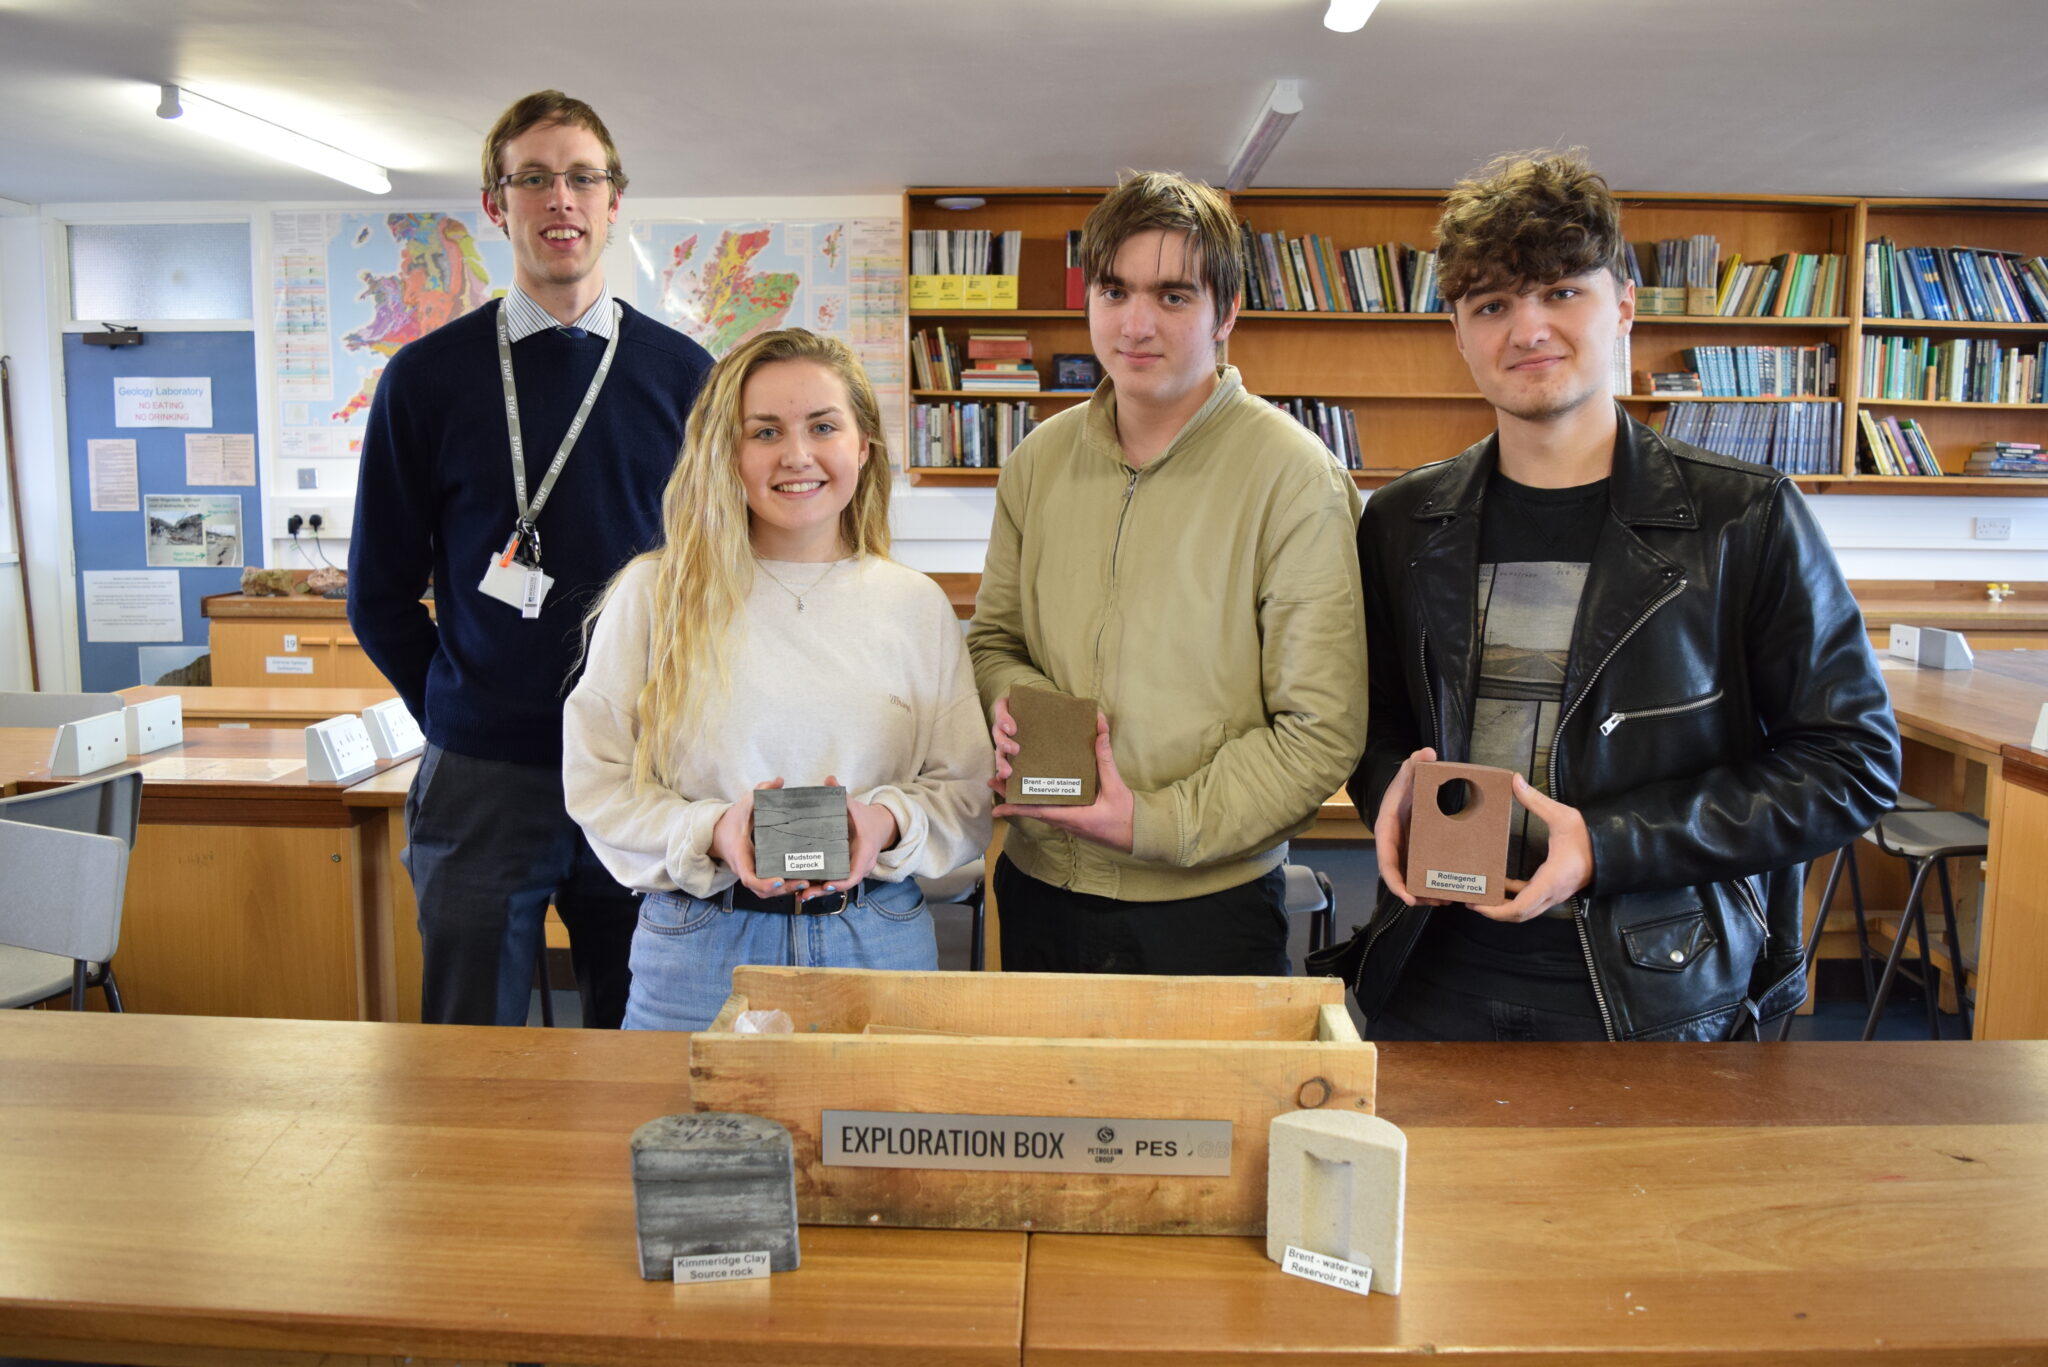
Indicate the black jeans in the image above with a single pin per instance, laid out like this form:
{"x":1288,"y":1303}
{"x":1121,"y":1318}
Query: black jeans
{"x":1421,"y":1010}
{"x":489,"y":845}
{"x":1235,"y":932}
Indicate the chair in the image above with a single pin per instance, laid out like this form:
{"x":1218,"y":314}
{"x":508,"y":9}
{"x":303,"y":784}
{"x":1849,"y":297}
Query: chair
{"x":1927,"y":841}
{"x":1309,"y":893}
{"x":60,"y":915}
{"x":965,"y":886}
{"x":1864,"y":956}
{"x":102,"y":807}
{"x":54,"y":709}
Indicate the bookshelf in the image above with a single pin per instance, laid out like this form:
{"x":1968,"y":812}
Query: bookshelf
{"x":1400,"y":374}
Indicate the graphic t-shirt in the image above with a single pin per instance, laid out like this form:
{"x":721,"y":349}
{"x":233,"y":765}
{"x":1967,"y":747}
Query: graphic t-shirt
{"x":1535,"y":546}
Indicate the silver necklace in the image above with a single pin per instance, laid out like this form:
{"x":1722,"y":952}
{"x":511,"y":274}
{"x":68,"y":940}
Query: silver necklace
{"x":808,"y":588}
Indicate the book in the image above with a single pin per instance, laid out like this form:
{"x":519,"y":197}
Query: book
{"x":1800,"y":438}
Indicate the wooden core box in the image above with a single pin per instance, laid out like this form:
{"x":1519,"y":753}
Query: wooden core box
{"x":1109,"y":1046}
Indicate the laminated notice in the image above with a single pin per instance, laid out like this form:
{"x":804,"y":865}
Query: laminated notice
{"x":722,"y":1267}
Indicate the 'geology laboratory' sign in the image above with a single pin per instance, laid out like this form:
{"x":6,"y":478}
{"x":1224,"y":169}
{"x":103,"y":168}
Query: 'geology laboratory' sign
{"x":141,"y":401}
{"x":1026,"y":1143}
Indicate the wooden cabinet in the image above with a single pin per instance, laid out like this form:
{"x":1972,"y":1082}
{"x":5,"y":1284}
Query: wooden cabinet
{"x":1400,"y":374}
{"x":296,"y":642}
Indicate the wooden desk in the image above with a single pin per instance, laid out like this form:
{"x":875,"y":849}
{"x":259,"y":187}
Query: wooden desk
{"x":24,"y":751}
{"x":1667,"y":1204}
{"x":2020,"y":622}
{"x":391,"y":914}
{"x":1955,"y":725}
{"x":241,"y":1192}
{"x":251,"y":890}
{"x":282,"y":708}
{"x":190,"y":1191}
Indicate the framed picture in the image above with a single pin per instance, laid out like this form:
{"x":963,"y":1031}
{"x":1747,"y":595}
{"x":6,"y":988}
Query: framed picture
{"x":1071,"y":371}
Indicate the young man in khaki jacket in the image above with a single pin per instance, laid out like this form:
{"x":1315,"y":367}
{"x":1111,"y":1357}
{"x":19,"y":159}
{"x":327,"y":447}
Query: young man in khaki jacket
{"x":1180,"y":550}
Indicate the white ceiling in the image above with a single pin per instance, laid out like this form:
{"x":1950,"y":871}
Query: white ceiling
{"x":1920,"y":97}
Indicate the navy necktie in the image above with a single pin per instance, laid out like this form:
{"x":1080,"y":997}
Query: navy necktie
{"x":573,"y":334}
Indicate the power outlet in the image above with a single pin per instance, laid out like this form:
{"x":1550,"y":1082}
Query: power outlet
{"x":1992,"y":528}
{"x":334,"y":519}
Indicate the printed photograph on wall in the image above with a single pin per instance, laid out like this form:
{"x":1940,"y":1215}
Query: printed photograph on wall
{"x":192,"y":530}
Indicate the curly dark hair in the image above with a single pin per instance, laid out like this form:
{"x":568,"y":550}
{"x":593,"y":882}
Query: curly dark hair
{"x":1527,"y":217}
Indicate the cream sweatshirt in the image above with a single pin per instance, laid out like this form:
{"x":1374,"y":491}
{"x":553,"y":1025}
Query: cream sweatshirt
{"x":869,"y":683}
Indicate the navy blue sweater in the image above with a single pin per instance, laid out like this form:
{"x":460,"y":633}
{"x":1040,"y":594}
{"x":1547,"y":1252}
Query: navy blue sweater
{"x":435,"y":497}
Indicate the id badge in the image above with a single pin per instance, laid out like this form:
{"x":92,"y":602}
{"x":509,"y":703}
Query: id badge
{"x":521,"y":586}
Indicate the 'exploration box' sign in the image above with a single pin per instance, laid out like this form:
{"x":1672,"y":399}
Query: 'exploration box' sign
{"x":1026,"y":1143}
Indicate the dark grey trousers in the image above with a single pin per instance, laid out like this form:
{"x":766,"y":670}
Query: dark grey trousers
{"x":489,"y":846}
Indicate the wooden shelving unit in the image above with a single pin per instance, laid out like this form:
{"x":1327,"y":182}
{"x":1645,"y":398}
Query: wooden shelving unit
{"x":1402,"y":378}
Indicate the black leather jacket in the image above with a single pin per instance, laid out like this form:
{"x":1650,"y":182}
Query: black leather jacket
{"x":1724,"y":721}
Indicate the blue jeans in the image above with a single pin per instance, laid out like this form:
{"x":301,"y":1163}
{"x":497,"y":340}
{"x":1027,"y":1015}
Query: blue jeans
{"x":686,"y":948}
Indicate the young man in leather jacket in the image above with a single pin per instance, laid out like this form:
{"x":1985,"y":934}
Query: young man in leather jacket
{"x":1656,"y":638}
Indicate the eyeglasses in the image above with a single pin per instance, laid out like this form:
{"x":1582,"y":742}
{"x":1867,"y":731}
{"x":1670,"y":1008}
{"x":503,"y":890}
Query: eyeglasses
{"x":581,"y":180}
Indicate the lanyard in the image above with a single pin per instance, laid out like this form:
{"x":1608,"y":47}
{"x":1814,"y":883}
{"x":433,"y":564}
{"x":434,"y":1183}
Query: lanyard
{"x":529,"y":513}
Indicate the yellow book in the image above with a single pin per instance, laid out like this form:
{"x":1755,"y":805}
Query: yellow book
{"x":1729,"y":270}
{"x":924,"y":291}
{"x":952,"y":292}
{"x":976,"y":292}
{"x":1003,"y":291}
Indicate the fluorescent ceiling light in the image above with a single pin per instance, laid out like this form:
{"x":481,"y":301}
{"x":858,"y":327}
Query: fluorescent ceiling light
{"x":273,"y":140}
{"x":1349,"y":16}
{"x":1281,"y":107}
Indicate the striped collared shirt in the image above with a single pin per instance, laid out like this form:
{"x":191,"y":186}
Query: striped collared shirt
{"x":523,"y":317}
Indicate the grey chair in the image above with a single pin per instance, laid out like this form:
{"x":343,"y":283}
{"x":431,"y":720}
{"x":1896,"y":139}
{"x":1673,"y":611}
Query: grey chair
{"x":107,"y":807}
{"x":60,"y":914}
{"x":1309,"y":894}
{"x":1927,"y":841}
{"x":54,"y":709}
{"x":965,"y":886}
{"x":1845,"y":857}
{"x":109,"y":804}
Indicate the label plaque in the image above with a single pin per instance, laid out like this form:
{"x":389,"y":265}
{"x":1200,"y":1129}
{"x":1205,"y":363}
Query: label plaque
{"x":1026,"y":1143}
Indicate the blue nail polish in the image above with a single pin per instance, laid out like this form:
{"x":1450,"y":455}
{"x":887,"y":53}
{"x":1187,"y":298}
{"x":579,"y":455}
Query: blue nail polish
{"x":778,"y":882}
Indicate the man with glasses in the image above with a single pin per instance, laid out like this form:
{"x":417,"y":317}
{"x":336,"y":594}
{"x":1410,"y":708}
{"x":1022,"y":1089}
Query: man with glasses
{"x":516,"y":458}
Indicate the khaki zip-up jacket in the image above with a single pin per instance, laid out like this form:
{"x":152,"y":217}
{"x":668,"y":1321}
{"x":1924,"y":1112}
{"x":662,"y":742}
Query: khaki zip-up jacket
{"x":1210,"y":601}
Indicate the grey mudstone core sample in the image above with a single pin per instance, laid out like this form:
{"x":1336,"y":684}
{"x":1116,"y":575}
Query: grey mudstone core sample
{"x":714,"y":1182}
{"x":800,"y":833}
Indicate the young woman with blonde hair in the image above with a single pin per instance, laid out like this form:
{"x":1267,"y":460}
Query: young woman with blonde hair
{"x":773,"y":640}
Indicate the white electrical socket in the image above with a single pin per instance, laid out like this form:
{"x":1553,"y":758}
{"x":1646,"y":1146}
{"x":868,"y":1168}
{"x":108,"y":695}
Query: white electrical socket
{"x":334,"y":520}
{"x":1992,"y":528}
{"x":1905,"y":642}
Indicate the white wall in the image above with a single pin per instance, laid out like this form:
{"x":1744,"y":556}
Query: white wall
{"x":27,"y":330}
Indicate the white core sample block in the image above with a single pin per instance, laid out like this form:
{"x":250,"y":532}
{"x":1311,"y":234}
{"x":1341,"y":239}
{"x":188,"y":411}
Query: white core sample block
{"x":1336,"y":1183}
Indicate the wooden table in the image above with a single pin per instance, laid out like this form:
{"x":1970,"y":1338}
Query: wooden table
{"x":24,"y":751}
{"x":192,"y":1191}
{"x":2020,"y":622}
{"x":1955,"y":725}
{"x":252,"y":891}
{"x":391,"y":934}
{"x":283,"y":708}
{"x":1654,"y":1204}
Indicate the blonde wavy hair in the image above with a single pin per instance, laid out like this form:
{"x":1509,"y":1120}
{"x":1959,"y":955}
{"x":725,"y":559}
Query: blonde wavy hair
{"x":705,"y":568}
